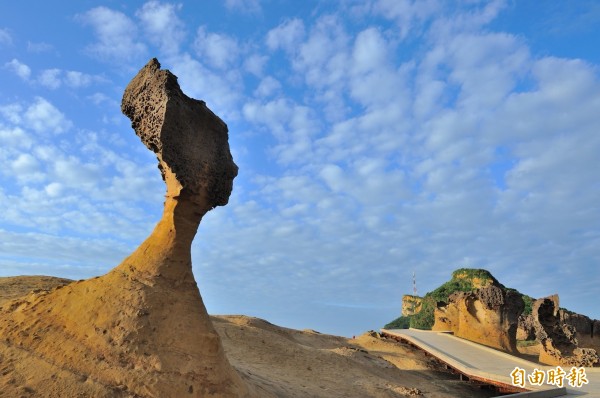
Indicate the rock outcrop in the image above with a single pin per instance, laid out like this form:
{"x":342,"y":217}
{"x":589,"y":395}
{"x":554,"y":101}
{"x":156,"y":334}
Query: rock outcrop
{"x":487,"y":316}
{"x":525,"y":328}
{"x":142,"y":329}
{"x":586,"y":329}
{"x":411,"y":304}
{"x":559,"y":338}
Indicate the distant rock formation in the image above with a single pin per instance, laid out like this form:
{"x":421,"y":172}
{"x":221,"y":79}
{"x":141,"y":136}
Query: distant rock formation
{"x":411,"y":304}
{"x":586,"y":329}
{"x":487,"y":316}
{"x":142,"y":329}
{"x":556,"y":331}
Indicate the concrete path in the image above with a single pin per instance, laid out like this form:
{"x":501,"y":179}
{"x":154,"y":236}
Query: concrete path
{"x":486,"y":363}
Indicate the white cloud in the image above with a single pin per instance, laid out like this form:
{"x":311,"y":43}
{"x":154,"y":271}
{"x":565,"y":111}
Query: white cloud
{"x":39,"y":47}
{"x":77,"y":79}
{"x":25,"y":164}
{"x":18,"y":68}
{"x":248,"y":6}
{"x":26,"y":169}
{"x":219,"y":50}
{"x":255,"y":64}
{"x":42,"y":116}
{"x":15,"y":137}
{"x":286,"y":36}
{"x":370,"y":51}
{"x":73,"y":172}
{"x":50,"y":78}
{"x":162,"y":25}
{"x":486,"y":67}
{"x":221,"y":91}
{"x":54,"y":189}
{"x":5,"y":37}
{"x":116,"y":34}
{"x":324,"y":56}
{"x":562,"y":102}
{"x":333,"y":176}
{"x":56,"y":249}
{"x":273,"y":114}
{"x":99,"y":98}
{"x":267,"y":87}
{"x":292,"y":125}
{"x":409,"y":14}
{"x":12,"y":112}
{"x":465,"y":20}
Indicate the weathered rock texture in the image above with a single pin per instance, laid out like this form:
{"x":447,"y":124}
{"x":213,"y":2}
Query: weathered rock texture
{"x":587,"y":330}
{"x":142,"y":329}
{"x":487,"y":316}
{"x":556,"y":331}
{"x":525,"y":328}
{"x":411,"y":304}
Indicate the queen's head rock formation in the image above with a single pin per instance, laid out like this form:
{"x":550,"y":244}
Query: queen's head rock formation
{"x":141,"y":330}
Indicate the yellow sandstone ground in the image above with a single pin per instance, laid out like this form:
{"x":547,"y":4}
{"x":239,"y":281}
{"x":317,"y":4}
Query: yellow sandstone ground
{"x":276,"y":360}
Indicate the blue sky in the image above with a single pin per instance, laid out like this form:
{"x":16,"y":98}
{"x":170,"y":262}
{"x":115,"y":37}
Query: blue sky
{"x":374,"y":138}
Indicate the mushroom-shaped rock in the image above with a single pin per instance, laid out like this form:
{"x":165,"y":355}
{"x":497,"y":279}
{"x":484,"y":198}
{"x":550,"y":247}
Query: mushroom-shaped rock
{"x":142,"y":329}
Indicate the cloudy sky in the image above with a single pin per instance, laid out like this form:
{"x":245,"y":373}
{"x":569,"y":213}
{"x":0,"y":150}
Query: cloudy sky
{"x":374,"y":138}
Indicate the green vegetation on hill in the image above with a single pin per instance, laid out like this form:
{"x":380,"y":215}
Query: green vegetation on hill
{"x":402,"y":322}
{"x":463,"y":280}
{"x":475,"y":276}
{"x":528,"y":301}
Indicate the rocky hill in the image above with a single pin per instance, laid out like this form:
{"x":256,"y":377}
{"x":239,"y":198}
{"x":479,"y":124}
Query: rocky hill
{"x":475,"y":306}
{"x":463,"y":280}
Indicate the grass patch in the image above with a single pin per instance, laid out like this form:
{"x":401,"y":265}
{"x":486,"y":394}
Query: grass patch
{"x":526,"y":343}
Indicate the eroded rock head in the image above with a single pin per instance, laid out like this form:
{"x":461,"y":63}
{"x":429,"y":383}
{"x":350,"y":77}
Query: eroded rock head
{"x":189,"y":140}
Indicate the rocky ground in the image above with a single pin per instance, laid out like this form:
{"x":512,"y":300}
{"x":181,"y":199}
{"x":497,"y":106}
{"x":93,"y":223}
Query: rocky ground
{"x":284,"y":362}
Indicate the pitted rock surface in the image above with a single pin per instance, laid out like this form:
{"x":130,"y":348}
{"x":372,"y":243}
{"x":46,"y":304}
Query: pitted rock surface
{"x":559,"y":340}
{"x":492,"y":297}
{"x":187,"y":136}
{"x":487,"y":316}
{"x":526,"y":328}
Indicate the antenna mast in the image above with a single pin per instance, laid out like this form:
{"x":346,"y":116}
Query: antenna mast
{"x":413,"y":303}
{"x":414,"y":284}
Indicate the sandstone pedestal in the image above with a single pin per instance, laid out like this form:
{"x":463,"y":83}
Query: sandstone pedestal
{"x":142,"y":329}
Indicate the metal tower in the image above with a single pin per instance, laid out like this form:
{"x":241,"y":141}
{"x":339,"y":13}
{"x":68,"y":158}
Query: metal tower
{"x":414,"y":284}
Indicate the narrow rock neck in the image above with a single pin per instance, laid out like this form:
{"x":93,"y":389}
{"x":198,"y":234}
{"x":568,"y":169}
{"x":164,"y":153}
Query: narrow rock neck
{"x":166,"y":253}
{"x":180,"y":220}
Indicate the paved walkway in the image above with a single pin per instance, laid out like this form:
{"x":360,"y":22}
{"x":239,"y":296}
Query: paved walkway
{"x":486,"y":363}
